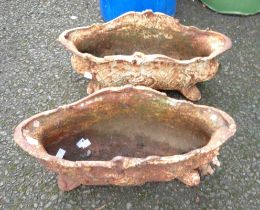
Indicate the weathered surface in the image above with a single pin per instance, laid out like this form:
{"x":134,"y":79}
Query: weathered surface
{"x":147,"y":49}
{"x":196,"y":131}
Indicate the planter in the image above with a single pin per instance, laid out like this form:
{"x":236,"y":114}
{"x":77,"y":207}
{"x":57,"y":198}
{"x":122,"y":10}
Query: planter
{"x":148,"y":49}
{"x":237,"y":7}
{"x":137,"y":135}
{"x":111,"y":9}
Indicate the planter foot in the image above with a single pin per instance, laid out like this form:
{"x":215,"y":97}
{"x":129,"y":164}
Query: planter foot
{"x":93,"y":86}
{"x":215,"y":161}
{"x":191,"y":178}
{"x":66,"y":184}
{"x":191,"y":93}
{"x":206,"y":170}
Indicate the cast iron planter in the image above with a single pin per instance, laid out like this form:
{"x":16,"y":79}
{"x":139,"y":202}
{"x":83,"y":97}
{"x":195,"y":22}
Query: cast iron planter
{"x":137,"y":135}
{"x":149,"y":49}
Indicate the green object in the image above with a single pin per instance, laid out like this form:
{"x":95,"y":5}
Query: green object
{"x":238,"y":7}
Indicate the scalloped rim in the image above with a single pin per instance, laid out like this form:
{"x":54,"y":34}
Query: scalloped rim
{"x":147,"y":58}
{"x":38,"y":151}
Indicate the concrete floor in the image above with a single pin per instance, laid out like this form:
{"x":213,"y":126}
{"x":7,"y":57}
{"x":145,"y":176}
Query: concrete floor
{"x":36,"y":75}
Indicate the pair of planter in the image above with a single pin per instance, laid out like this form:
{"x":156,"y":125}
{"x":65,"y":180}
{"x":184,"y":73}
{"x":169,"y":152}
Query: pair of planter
{"x":137,"y":134}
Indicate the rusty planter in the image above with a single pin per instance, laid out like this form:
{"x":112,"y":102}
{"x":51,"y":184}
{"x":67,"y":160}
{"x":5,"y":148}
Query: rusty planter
{"x":149,"y":49}
{"x":137,"y":134}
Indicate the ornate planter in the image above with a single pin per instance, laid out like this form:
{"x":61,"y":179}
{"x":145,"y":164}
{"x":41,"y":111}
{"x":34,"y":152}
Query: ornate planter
{"x":149,"y":49}
{"x":137,"y":135}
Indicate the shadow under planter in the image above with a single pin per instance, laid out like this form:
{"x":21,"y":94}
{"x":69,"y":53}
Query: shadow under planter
{"x":136,"y":133}
{"x":148,"y":49}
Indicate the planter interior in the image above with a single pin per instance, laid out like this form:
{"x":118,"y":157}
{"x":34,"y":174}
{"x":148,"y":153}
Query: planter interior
{"x":179,"y":42}
{"x":129,"y":133}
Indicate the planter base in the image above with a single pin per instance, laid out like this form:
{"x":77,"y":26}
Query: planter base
{"x":191,"y":93}
{"x":191,"y":178}
{"x":66,"y":184}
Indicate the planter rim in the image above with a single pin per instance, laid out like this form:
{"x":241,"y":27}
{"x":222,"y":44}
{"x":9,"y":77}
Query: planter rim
{"x":146,"y":57}
{"x":38,"y":151}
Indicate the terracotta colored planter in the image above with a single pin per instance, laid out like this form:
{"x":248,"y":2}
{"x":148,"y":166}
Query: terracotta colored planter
{"x":149,"y":49}
{"x":137,"y":135}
